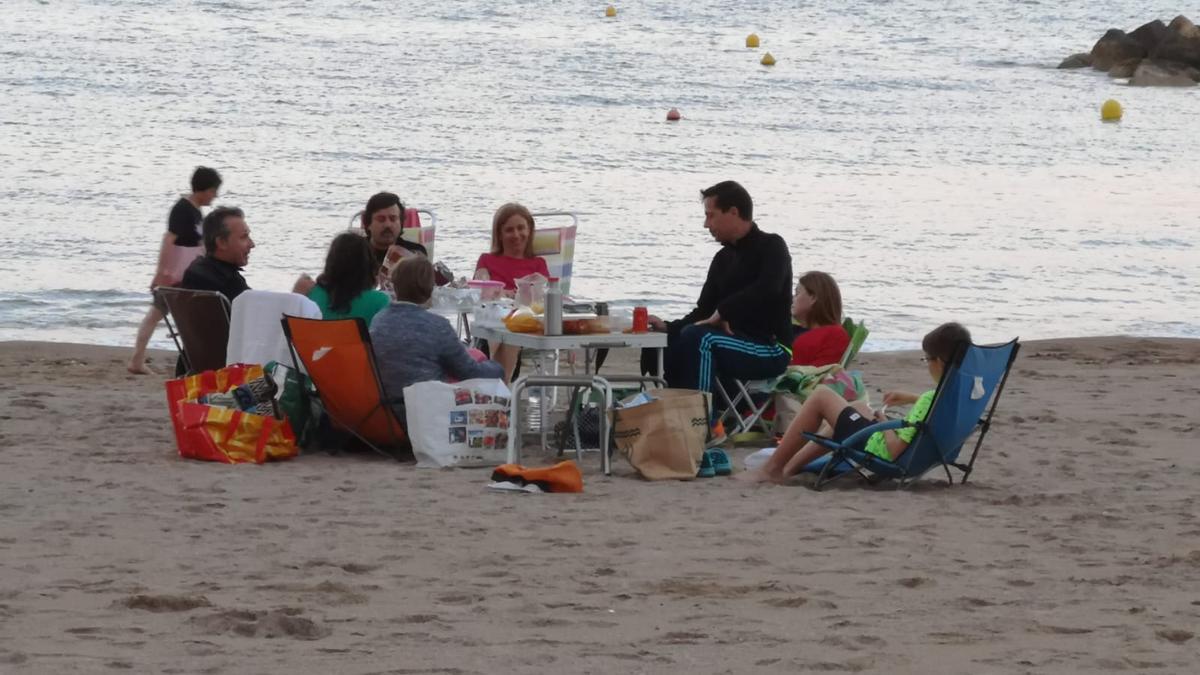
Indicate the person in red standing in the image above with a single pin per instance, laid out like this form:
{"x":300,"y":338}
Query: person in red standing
{"x":510,"y":259}
{"x":817,"y":312}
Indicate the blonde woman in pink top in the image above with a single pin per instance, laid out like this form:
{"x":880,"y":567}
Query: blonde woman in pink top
{"x":510,"y":259}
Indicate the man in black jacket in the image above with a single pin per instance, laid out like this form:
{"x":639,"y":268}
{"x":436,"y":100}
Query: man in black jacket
{"x":741,"y":324}
{"x":227,"y":245}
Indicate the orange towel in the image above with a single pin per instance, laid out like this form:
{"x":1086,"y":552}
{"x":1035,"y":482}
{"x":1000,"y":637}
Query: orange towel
{"x":562,"y":477}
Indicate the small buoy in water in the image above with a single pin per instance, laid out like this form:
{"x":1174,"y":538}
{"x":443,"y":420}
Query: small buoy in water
{"x":752,"y":41}
{"x":767,"y":59}
{"x":610,"y":11}
{"x":1111,"y":111}
{"x":673,"y":115}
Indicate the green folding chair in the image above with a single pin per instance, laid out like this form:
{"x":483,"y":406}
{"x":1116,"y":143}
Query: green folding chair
{"x":858,"y":335}
{"x":755,"y":396}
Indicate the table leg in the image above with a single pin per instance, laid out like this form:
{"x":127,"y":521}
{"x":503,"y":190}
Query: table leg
{"x":605,"y":429}
{"x":514,"y":422}
{"x":573,"y":423}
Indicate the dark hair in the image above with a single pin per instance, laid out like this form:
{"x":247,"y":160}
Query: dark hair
{"x":502,"y":215}
{"x":413,"y":280}
{"x":348,"y":270}
{"x":215,"y":227}
{"x":942,"y":342}
{"x":205,"y":178}
{"x":379,"y":202}
{"x":729,"y":194}
{"x":827,"y":309}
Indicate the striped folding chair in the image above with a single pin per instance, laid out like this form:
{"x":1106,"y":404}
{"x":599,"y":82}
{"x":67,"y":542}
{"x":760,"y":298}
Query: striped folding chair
{"x":416,"y":233}
{"x":556,"y":245}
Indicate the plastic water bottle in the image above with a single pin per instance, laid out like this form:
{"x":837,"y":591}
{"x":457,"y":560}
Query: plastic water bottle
{"x":533,"y":411}
{"x":553,"y":316}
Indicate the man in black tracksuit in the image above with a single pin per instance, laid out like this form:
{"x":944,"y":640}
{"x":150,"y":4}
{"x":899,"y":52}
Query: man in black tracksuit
{"x":741,"y":326}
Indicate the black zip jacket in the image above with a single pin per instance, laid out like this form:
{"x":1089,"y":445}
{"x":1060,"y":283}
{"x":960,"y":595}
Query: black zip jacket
{"x":750,"y":283}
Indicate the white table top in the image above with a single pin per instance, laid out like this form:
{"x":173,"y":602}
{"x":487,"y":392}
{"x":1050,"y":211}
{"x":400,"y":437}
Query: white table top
{"x":551,"y":342}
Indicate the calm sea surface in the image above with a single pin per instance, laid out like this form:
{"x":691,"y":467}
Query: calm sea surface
{"x":926,"y":153}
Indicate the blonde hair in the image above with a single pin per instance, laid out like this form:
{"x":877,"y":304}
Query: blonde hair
{"x":502,"y":215}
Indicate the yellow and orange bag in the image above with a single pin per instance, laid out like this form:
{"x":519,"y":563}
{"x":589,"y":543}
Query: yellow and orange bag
{"x":216,"y":434}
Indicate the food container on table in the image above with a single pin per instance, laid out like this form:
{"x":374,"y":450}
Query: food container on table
{"x":522,"y":320}
{"x":531,"y":292}
{"x":489,"y":290}
{"x":584,"y":324}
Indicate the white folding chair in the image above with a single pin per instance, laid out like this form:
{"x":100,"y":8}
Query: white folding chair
{"x":745,"y":392}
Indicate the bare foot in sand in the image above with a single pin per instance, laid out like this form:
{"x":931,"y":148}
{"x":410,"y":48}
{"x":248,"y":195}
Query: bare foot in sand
{"x":140,"y":369}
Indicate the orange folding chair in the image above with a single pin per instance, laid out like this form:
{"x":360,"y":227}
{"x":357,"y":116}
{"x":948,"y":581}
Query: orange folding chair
{"x":338,"y":357}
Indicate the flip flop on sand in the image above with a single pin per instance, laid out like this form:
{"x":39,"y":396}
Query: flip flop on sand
{"x":720,"y":462}
{"x":706,"y":466}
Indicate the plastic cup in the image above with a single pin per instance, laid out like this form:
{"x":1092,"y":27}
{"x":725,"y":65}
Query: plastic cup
{"x":641,"y":320}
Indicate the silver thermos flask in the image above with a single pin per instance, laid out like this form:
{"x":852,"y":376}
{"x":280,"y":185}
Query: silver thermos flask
{"x":553,"y":308}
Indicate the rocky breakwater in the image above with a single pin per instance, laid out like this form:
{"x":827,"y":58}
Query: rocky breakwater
{"x":1156,"y":54}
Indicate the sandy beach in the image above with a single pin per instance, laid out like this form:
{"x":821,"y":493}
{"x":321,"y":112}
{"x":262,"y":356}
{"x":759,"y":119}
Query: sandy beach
{"x":1075,"y":548}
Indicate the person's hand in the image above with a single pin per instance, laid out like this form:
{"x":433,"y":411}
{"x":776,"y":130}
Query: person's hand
{"x":881,"y":414}
{"x":656,"y":324}
{"x":717,"y":322}
{"x":303,"y":285}
{"x":897,"y":398}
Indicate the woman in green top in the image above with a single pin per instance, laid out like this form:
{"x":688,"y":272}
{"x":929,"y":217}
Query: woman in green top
{"x":346,"y":289}
{"x":825,"y":406}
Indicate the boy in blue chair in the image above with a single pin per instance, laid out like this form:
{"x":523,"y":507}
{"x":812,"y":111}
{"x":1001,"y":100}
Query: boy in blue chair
{"x":793,"y":453}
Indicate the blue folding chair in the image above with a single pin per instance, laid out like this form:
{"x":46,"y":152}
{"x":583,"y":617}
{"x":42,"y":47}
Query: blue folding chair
{"x":975,"y":377}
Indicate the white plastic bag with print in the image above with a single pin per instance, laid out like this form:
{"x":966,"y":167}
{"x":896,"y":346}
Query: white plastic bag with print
{"x":459,"y":424}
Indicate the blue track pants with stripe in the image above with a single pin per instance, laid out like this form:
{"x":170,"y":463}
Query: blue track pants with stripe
{"x":701,"y":353}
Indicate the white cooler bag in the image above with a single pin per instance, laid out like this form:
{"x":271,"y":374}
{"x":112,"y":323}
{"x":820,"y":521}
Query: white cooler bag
{"x":460,"y":424}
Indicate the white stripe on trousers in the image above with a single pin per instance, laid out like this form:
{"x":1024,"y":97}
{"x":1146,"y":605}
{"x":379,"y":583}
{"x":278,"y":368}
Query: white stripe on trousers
{"x":733,"y":344}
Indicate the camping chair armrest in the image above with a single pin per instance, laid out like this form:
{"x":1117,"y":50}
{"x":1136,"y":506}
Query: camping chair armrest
{"x":857,"y":437}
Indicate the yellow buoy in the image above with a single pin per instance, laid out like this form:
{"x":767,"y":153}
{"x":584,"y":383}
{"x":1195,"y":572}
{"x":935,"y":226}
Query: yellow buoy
{"x":752,"y":41}
{"x":1111,"y":111}
{"x":767,"y":59}
{"x":610,"y":11}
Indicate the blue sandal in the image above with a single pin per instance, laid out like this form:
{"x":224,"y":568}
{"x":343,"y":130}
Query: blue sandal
{"x":720,"y":462}
{"x":706,"y":467}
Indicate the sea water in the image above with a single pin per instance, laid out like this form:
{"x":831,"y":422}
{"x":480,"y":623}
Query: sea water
{"x":927,"y":154}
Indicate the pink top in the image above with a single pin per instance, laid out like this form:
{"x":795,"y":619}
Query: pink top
{"x":177,"y":260}
{"x":508,"y":270}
